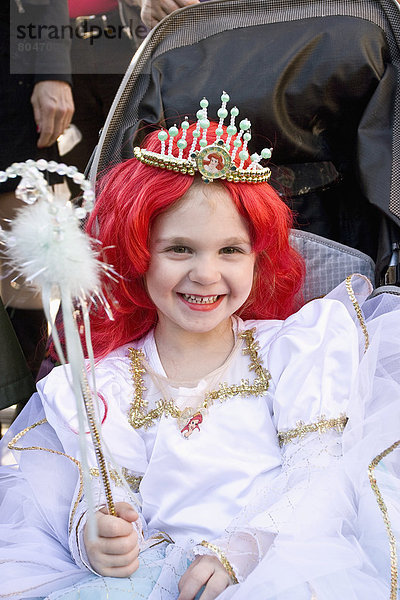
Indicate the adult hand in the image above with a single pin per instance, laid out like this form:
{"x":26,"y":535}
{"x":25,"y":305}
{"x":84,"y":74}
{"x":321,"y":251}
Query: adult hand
{"x":53,"y":108}
{"x":115,"y":551}
{"x":154,"y":11}
{"x":204,"y":571}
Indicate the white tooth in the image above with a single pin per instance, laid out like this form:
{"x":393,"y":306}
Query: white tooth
{"x":199,"y":299}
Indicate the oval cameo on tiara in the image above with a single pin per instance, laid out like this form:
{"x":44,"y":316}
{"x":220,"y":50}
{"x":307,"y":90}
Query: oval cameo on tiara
{"x":213,"y":162}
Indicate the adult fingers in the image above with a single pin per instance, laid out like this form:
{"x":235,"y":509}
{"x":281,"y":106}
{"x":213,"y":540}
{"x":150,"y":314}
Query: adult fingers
{"x":183,"y":3}
{"x":153,"y":11}
{"x":53,"y":109}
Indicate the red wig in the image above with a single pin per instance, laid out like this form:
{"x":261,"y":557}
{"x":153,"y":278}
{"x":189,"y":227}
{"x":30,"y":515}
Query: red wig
{"x":132,"y":195}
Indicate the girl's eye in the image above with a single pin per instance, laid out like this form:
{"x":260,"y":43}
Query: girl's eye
{"x":179,"y":249}
{"x":230,"y":250}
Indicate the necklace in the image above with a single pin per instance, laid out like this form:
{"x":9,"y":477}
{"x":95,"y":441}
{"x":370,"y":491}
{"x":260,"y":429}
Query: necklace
{"x":189,"y":419}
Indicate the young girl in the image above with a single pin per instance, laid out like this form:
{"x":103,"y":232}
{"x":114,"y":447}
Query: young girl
{"x":238,"y":437}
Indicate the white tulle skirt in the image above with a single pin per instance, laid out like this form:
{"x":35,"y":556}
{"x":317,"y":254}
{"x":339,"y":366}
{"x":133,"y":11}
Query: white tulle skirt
{"x":340,"y":541}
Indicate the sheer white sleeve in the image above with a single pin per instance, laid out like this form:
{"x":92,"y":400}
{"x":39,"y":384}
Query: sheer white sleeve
{"x":312,"y":372}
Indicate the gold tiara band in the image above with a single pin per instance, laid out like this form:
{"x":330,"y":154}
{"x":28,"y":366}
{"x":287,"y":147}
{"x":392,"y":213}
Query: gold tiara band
{"x":215,"y":159}
{"x":191,"y":166}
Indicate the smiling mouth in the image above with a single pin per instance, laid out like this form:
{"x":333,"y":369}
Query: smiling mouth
{"x":200,"y":299}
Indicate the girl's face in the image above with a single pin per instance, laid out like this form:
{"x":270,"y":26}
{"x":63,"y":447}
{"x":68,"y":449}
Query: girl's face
{"x":202,"y":264}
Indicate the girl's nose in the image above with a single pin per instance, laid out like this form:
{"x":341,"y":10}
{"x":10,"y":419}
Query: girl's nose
{"x":205,"y":271}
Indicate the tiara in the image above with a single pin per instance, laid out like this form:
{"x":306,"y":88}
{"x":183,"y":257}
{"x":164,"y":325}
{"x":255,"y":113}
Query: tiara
{"x":214,"y":159}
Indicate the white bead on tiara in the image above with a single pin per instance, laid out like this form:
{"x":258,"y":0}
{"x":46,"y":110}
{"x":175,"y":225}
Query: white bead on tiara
{"x":215,"y":159}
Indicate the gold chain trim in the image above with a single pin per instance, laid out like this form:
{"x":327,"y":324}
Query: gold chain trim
{"x":95,"y":435}
{"x":131,"y":480}
{"x":385,"y":514}
{"x":19,"y":435}
{"x":138,"y":417}
{"x":320,"y":426}
{"x":224,"y":561}
{"x":358,"y":310}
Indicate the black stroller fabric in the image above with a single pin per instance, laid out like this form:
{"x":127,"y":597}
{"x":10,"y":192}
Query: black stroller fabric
{"x":318,"y":81}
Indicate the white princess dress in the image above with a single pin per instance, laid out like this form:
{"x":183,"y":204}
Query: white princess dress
{"x":283,"y":462}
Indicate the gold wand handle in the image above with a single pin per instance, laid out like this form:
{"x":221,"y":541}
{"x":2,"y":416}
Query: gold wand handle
{"x":94,"y":432}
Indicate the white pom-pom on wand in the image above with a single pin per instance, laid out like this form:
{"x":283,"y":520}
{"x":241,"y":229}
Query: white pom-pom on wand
{"x":47,"y":246}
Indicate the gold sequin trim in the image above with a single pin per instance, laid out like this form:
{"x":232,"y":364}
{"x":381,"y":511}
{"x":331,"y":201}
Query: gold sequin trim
{"x":321,"y":426}
{"x":385,"y":514}
{"x":358,"y":310}
{"x":131,"y":480}
{"x":224,"y":561}
{"x":138,"y":417}
{"x":21,"y":434}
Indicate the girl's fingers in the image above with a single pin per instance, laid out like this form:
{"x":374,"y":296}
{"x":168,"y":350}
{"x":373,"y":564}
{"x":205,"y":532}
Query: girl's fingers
{"x":117,"y":545}
{"x":123,"y":571}
{"x":113,"y":527}
{"x":126,"y":512}
{"x":115,"y":551}
{"x":204,"y":571}
{"x":215,"y":586}
{"x":110,"y":561}
{"x":120,"y":526}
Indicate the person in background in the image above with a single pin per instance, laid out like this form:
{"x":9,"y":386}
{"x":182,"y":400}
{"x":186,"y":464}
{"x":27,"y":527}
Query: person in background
{"x":106,"y":34}
{"x":36,"y":106}
{"x":153,"y":11}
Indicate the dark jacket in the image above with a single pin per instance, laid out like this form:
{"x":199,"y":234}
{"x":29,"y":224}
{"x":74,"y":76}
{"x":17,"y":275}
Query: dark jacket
{"x":16,"y":381}
{"x":39,"y":38}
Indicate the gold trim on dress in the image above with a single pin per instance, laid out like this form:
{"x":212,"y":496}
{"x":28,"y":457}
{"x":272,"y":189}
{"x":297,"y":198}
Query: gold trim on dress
{"x":224,"y":561}
{"x":321,"y":426}
{"x":19,"y":435}
{"x":78,"y":545}
{"x":132,"y":480}
{"x":385,"y":514}
{"x":358,"y":310}
{"x":138,"y":417}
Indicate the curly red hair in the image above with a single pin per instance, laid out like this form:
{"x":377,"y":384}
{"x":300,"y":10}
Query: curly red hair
{"x":131,"y":195}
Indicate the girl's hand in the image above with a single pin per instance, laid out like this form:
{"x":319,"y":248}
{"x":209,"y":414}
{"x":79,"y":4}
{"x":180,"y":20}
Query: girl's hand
{"x":204,"y":571}
{"x":115,"y":552}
